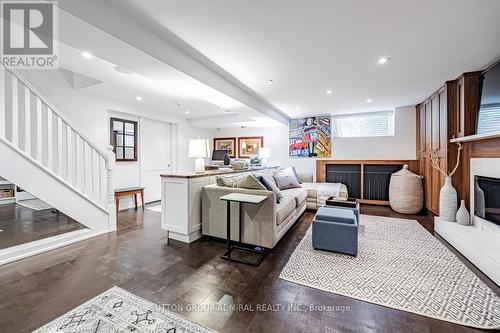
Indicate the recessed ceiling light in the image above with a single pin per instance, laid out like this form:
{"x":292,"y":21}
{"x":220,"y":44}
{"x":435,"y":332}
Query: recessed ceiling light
{"x":122,"y":70}
{"x":297,"y":108}
{"x":87,"y":55}
{"x":268,"y":81}
{"x":383,"y":60}
{"x":139,"y":98}
{"x":369,"y":100}
{"x":187,"y":112}
{"x":329,"y":92}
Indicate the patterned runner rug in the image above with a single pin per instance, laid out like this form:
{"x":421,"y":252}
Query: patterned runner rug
{"x":402,"y":266}
{"x":117,"y":310}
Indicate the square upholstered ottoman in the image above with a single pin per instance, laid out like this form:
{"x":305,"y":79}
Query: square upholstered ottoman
{"x":335,"y":229}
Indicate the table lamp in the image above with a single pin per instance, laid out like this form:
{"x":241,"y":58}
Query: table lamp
{"x":265,"y":153}
{"x":199,"y":149}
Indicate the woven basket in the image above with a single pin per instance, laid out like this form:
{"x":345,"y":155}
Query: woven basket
{"x":406,"y":192}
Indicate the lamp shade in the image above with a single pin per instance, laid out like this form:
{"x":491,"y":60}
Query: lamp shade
{"x":199,"y":148}
{"x":265,"y":152}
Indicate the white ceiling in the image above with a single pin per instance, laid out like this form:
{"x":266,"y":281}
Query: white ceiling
{"x":162,"y":88}
{"x":307,"y":47}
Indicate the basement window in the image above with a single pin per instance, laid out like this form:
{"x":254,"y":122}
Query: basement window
{"x":124,"y":139}
{"x":359,"y":125}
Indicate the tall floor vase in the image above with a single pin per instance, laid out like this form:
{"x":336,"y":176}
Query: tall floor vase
{"x":448,"y":201}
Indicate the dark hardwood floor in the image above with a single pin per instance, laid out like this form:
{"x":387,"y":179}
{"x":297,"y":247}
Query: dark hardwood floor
{"x":36,"y":290}
{"x":21,"y":225}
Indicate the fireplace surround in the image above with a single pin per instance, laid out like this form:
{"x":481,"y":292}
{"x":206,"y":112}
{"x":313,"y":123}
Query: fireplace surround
{"x":480,"y":241}
{"x":486,"y":192}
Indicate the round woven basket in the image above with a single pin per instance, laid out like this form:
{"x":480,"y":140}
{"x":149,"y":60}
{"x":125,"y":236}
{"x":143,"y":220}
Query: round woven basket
{"x":406,"y":192}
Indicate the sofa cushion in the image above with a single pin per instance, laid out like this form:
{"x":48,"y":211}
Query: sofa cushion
{"x":284,"y":208}
{"x":300,"y":194}
{"x":311,"y":189}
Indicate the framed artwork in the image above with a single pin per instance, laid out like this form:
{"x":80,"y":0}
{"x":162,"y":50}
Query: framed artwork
{"x":228,"y":144}
{"x":310,"y":137}
{"x":249,"y":145}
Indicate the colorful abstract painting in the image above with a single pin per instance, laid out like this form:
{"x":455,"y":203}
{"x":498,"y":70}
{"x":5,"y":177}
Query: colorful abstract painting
{"x":310,"y":137}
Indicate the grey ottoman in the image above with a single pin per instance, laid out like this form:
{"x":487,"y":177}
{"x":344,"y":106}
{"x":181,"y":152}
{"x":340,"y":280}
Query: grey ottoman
{"x":335,"y":229}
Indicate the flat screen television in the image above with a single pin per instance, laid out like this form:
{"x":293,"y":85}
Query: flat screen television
{"x":488,"y":118}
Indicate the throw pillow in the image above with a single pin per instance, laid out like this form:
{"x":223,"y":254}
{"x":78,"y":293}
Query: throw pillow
{"x":287,"y":172}
{"x":271,"y":186}
{"x":250,"y":182}
{"x":286,"y":182}
{"x":229,"y":180}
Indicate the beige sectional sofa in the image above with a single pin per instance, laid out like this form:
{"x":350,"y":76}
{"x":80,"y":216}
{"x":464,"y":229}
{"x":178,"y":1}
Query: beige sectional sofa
{"x":263,"y":224}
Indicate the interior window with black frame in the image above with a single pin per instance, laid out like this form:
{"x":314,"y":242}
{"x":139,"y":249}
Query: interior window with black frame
{"x":124,"y":139}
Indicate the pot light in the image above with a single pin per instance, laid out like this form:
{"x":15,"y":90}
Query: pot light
{"x":87,"y":55}
{"x":122,"y":70}
{"x":329,"y":92}
{"x":369,"y":100}
{"x":268,"y":82}
{"x":187,"y":112}
{"x":139,"y":98}
{"x":383,"y":60}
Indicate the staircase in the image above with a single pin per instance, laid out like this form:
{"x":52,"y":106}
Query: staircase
{"x":43,"y":153}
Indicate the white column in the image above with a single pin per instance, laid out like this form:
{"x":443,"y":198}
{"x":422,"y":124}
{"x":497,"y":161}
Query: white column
{"x":110,"y":167}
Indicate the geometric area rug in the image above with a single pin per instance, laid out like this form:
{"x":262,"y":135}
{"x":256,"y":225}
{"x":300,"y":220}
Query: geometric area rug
{"x":402,"y":266}
{"x":119,"y":311}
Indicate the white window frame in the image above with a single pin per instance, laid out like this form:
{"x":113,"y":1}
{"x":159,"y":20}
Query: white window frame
{"x":335,"y":131}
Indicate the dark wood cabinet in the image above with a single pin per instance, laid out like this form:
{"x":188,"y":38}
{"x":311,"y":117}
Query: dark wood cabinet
{"x":432,"y":139}
{"x":449,"y":112}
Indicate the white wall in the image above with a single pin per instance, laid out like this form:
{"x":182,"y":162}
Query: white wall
{"x":90,"y":115}
{"x":400,"y":146}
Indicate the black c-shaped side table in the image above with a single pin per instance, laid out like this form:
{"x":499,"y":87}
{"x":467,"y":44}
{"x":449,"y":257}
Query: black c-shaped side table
{"x":241,"y":198}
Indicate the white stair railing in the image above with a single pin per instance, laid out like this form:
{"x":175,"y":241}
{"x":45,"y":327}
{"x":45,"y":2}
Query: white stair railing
{"x":36,"y":129}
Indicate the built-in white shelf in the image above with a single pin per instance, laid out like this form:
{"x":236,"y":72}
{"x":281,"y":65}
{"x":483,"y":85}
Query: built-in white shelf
{"x":477,"y":137}
{"x":4,"y":182}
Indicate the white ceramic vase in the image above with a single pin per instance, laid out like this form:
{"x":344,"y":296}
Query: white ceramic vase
{"x":448,"y":201}
{"x":463,"y":216}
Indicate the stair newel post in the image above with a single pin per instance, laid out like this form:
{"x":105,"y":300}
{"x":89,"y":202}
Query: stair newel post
{"x":110,"y":167}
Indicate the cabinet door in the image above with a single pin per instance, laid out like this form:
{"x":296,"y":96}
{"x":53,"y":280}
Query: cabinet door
{"x":428,"y":126}
{"x":421,"y":129}
{"x":436,"y":127}
{"x":443,"y":122}
{"x":461,"y":106}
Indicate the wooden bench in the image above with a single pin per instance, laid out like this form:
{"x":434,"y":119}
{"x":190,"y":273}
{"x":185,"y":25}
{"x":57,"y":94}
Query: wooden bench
{"x":121,"y":192}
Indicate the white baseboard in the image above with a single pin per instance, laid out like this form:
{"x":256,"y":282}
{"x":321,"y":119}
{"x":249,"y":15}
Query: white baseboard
{"x":33,"y":248}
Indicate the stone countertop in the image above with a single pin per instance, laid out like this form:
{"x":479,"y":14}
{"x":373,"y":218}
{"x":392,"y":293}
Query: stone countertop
{"x":211,"y":173}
